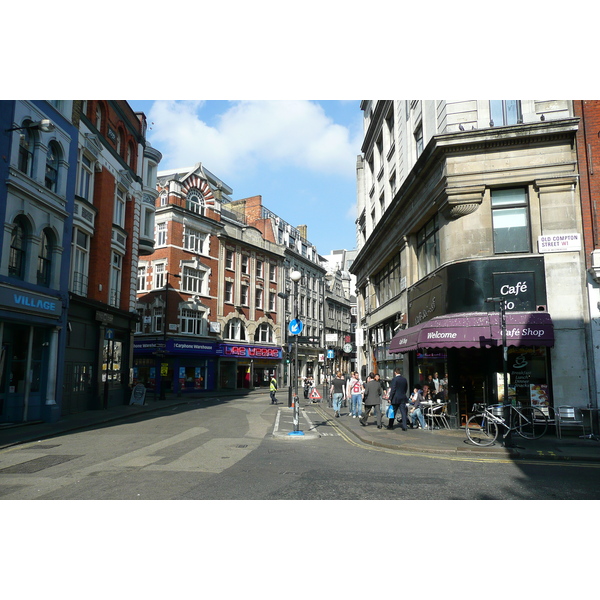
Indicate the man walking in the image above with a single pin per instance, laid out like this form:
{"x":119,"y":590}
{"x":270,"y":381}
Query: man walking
{"x":273,"y":389}
{"x":372,"y":400}
{"x":398,"y":397}
{"x":338,"y":392}
{"x":354,"y":391}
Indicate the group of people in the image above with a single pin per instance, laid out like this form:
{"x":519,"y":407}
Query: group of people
{"x":371,"y":393}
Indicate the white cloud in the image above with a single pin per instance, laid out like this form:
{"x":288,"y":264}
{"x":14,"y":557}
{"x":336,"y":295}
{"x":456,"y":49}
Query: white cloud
{"x":282,"y":133}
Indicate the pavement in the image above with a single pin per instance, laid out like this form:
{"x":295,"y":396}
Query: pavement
{"x":448,"y":442}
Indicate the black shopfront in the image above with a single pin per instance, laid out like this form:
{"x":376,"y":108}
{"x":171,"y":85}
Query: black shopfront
{"x":454,"y":332}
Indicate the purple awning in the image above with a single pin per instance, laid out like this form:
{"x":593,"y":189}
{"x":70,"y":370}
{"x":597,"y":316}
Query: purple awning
{"x":476,"y":330}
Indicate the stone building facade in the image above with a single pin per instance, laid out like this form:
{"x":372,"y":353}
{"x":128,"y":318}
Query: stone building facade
{"x":463,"y":207}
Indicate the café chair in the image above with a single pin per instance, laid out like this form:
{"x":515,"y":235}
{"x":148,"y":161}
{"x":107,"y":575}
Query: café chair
{"x":436,"y":416}
{"x":550,"y":415}
{"x":568,"y":416}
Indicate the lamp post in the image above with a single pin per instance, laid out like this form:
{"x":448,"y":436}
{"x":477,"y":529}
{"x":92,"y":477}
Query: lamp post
{"x":162,"y":383}
{"x":507,"y":442}
{"x":295,"y":276}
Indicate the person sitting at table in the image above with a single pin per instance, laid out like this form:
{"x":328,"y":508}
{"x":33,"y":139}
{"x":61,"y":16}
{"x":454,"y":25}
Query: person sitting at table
{"x":417,"y":413}
{"x":428,"y":395}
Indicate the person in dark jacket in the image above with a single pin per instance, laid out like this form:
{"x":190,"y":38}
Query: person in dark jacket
{"x":372,"y":399}
{"x":398,"y":398}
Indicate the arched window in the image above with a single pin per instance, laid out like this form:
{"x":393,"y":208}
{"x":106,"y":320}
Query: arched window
{"x":119,"y":141}
{"x":129,"y":157}
{"x":16,"y":259}
{"x":52,"y":157}
{"x":264,"y":334}
{"x":235,"y":330}
{"x":195,"y":201}
{"x":26,"y":147}
{"x":44,"y":271}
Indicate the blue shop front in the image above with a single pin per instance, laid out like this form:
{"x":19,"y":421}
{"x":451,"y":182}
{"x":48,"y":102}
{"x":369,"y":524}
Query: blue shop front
{"x":191,"y":366}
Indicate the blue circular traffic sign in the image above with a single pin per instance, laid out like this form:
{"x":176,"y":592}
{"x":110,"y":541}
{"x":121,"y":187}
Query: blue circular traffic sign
{"x":296,"y":327}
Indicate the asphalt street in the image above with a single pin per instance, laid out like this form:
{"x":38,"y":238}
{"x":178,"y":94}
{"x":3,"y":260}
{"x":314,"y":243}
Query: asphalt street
{"x":239,"y":449}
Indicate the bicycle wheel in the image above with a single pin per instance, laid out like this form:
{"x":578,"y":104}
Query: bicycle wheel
{"x":529,"y":422}
{"x":481,"y":431}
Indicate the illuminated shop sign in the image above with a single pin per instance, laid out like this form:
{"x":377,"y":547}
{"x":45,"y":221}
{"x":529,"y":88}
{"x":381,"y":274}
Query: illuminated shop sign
{"x":241,"y":351}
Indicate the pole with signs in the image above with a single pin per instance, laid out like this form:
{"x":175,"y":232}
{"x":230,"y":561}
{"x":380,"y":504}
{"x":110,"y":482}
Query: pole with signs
{"x":295,"y":329}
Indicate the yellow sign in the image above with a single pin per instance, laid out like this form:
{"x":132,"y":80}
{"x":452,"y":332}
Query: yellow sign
{"x":164,"y":369}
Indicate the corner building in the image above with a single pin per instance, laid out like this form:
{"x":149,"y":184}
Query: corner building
{"x":460,"y":203}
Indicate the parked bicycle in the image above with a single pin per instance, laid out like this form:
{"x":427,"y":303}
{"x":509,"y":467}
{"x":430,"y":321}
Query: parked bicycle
{"x":483,"y":427}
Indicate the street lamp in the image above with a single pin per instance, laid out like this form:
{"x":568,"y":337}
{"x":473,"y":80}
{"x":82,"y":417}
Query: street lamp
{"x":507,"y":443}
{"x":162,"y":383}
{"x":295,"y":276}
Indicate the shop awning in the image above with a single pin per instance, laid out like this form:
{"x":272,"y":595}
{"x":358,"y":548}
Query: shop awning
{"x":476,"y":330}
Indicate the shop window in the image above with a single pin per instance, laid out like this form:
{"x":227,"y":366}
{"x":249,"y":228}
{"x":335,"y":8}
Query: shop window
{"x":510,"y":221}
{"x":112,"y":361}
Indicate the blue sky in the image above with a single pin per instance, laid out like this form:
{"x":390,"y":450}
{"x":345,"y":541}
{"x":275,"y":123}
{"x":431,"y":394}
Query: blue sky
{"x":299,"y":155}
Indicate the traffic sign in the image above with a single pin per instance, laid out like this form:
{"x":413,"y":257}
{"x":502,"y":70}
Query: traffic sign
{"x":314,"y":394}
{"x":296,"y":326}
{"x":330,"y":354}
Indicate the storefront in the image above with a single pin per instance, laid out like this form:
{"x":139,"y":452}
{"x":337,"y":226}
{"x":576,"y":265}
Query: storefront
{"x":247,"y":367}
{"x":179,"y":365}
{"x":455,"y":336}
{"x":31,"y":331}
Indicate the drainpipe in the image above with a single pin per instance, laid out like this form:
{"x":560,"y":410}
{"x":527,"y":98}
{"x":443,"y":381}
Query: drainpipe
{"x":28,"y":374}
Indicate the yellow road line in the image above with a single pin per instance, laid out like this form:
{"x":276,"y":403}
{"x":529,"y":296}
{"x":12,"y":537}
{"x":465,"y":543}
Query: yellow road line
{"x":358,"y":444}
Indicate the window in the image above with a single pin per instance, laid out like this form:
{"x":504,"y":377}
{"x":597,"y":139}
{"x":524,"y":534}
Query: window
{"x":45,"y":259}
{"x":79,"y":284}
{"x":273,"y":272}
{"x":159,"y":275}
{"x":164,"y":198}
{"x":52,"y":156}
{"x":510,"y":221}
{"x":505,"y":112}
{"x":245,"y":270}
{"x":235,"y":330}
{"x":228,"y":291}
{"x":272,"y":301}
{"x":192,"y":322}
{"x":386,"y":283}
{"x":264,"y":334}
{"x":194,"y":240}
{"x":157,"y":319}
{"x":244,"y":295}
{"x":259,"y":298}
{"x":115,"y":279}
{"x":193,"y":280}
{"x":85,"y":178}
{"x":26,"y":146}
{"x":129,"y":157}
{"x":16,"y":259}
{"x":428,"y":249}
{"x":141,"y":280}
{"x":419,"y":140}
{"x":119,"y":216}
{"x":259,"y":269}
{"x":98,"y":117}
{"x":229,"y":259}
{"x":195,"y":201}
{"x":161,"y":234}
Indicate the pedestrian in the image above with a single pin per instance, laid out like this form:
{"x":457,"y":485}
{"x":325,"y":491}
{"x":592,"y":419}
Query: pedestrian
{"x":338,"y":392}
{"x":372,"y":398}
{"x":273,"y":389}
{"x":398,"y":398}
{"x":354,"y":390}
